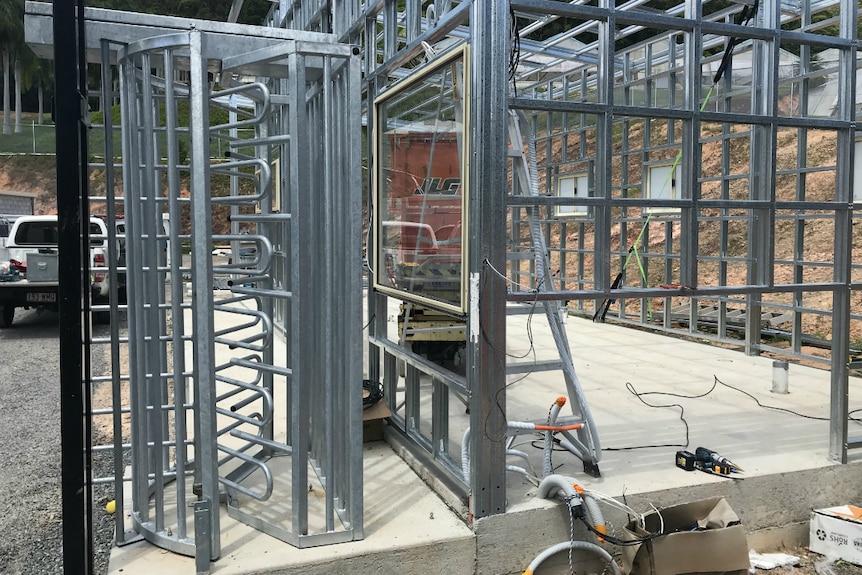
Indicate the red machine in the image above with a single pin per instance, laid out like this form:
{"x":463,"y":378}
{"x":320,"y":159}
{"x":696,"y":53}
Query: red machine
{"x":422,"y":239}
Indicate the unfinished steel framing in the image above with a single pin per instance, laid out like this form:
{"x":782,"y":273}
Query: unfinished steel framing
{"x":660,"y":165}
{"x":685,"y":159}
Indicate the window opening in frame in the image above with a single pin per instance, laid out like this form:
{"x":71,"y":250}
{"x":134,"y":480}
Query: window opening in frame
{"x":573,"y":186}
{"x":420,"y":187}
{"x":662,"y":184}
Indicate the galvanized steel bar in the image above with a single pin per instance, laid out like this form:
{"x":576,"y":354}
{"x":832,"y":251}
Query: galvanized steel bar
{"x":151,"y":315}
{"x":301,"y":347}
{"x":845,"y":156}
{"x":486,"y":361}
{"x":201,"y":222}
{"x":131,"y":176}
{"x":115,"y":342}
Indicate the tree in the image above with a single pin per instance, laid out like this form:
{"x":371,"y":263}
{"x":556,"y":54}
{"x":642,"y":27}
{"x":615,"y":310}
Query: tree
{"x":17,"y":95}
{"x":33,"y":71}
{"x":11,"y":43}
{"x":16,"y":59}
{"x":7,"y":126}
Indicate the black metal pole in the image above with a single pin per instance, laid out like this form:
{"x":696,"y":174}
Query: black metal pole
{"x":71,"y":158}
{"x":84,"y":194}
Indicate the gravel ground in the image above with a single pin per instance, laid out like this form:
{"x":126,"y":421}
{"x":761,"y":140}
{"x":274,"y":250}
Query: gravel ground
{"x":30,"y":508}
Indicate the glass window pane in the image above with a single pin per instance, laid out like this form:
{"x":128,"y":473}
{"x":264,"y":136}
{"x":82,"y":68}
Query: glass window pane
{"x":420,"y":199}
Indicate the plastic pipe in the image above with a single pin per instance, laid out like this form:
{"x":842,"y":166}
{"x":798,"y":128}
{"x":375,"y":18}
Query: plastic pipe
{"x":465,"y":455}
{"x":582,"y":545}
{"x":779,"y":377}
{"x":547,"y":465}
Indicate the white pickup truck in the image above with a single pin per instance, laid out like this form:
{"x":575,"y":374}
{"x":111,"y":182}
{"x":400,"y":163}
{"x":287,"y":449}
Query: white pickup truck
{"x":32,"y":250}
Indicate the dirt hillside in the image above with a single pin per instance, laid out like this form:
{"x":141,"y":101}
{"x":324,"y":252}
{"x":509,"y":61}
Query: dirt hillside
{"x":37,"y":174}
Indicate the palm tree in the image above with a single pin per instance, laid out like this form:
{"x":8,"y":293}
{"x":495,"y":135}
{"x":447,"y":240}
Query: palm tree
{"x":42,"y":72}
{"x":29,"y":70}
{"x":7,"y":127}
{"x":11,"y":42}
{"x":18,"y":95}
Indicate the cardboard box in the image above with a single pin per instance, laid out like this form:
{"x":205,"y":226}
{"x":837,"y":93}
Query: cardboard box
{"x":699,"y":537}
{"x":837,"y":533}
{"x":372,"y":421}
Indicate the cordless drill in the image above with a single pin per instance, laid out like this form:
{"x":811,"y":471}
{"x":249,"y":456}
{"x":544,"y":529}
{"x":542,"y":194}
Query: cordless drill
{"x":713,"y":461}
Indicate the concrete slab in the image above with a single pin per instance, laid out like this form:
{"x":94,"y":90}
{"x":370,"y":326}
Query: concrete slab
{"x":690,"y":394}
{"x":405,"y":524}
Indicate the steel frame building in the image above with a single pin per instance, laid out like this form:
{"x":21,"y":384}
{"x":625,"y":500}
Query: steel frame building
{"x":617,"y":96}
{"x":653,"y":139}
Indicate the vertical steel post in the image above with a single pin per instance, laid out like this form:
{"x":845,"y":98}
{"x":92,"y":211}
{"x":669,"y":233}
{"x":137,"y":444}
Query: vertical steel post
{"x":302,"y":286}
{"x":690,"y":150}
{"x":116,"y":401}
{"x":352,"y":159}
{"x":838,"y":405}
{"x":150,"y":316}
{"x":486,"y":323}
{"x":327,"y":294}
{"x":202,"y":269}
{"x":604,"y":152}
{"x":176,"y":291}
{"x":761,"y":172}
{"x":132,"y":175}
{"x":71,"y":161}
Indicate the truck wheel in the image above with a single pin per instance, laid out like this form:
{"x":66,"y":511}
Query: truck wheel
{"x":8,"y":315}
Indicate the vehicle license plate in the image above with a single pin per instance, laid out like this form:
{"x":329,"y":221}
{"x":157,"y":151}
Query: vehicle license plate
{"x":41,"y":297}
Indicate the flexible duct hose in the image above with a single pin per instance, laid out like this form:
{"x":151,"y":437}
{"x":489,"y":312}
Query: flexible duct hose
{"x":559,"y":485}
{"x":582,"y":545}
{"x":593,"y":513}
{"x":554,"y":484}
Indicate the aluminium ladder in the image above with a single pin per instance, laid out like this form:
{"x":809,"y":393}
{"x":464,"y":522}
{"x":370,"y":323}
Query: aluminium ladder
{"x":584,"y":444}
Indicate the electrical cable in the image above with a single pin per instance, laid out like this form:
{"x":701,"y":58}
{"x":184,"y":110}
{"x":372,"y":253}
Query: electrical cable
{"x":743,"y":18}
{"x":372,"y":392}
{"x":515,"y":54}
{"x":572,"y":540}
{"x":512,"y":282}
{"x":532,"y":348}
{"x":530,"y":351}
{"x":640,"y":395}
{"x":616,"y":540}
{"x":611,"y":502}
{"x":368,"y":229}
{"x":364,"y":327}
{"x":772,"y":407}
{"x":715,"y":383}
